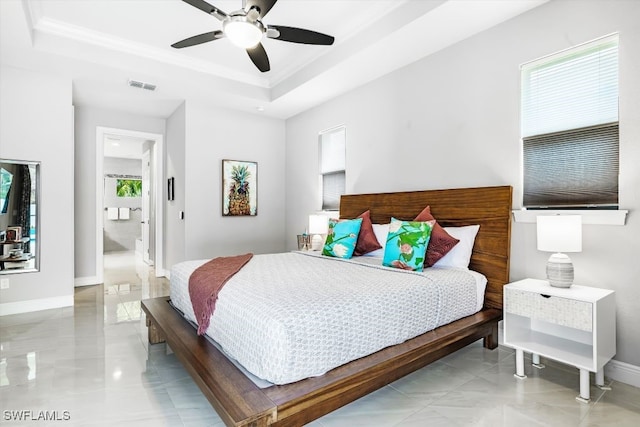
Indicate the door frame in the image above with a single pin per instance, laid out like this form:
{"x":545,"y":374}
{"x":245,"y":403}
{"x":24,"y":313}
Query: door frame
{"x":158,"y":171}
{"x":146,"y":204}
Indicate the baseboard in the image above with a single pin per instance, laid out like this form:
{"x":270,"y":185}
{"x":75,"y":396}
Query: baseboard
{"x":28,"y":306}
{"x":86,"y":281}
{"x":164,"y":273}
{"x":623,"y":372}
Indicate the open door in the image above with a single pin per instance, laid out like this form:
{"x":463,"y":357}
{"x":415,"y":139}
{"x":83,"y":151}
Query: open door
{"x":146,"y":192}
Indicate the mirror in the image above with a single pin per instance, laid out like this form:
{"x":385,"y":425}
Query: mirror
{"x":19,"y":216}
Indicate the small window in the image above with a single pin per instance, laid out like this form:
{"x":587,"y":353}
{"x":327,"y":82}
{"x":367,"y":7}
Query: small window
{"x":570,"y":128}
{"x":332,"y":166}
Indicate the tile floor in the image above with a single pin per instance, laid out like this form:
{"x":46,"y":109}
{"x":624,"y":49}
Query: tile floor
{"x":90,"y":365}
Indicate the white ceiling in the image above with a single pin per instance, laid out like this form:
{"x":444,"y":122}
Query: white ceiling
{"x":102,"y":44}
{"x":123,"y":146}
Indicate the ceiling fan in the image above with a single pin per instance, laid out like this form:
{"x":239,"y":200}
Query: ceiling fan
{"x":245,"y":29}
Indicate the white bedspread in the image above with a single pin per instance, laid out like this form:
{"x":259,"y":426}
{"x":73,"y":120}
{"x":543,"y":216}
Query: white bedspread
{"x":286,"y":317}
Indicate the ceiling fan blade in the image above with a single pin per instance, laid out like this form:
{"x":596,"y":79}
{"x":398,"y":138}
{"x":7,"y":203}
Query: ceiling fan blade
{"x":259,"y":57}
{"x":199,"y":39}
{"x":207,"y":8}
{"x":264,"y":6}
{"x":299,"y":35}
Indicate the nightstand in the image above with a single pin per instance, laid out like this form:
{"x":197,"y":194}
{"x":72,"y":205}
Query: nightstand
{"x":575,"y":325}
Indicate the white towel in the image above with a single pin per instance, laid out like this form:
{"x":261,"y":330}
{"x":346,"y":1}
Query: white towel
{"x":112,"y":213}
{"x":124,"y":213}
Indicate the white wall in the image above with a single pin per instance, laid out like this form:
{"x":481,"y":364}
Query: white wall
{"x":211,"y":136}
{"x":200,"y":138}
{"x":174,"y":239}
{"x":452,"y":120}
{"x":87,"y":119}
{"x":36,"y":119}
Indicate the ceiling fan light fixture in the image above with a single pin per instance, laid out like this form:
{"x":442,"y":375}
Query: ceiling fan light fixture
{"x":242,"y":33}
{"x":244,"y":28}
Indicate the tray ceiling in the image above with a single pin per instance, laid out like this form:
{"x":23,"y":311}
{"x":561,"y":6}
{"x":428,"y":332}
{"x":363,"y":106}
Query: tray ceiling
{"x":102,"y":44}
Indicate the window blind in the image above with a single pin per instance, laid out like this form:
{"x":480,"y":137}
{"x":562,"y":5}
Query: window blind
{"x":572,"y":169}
{"x":570,"y":130}
{"x":332,"y":149}
{"x":571,"y":90}
{"x":332,"y":188}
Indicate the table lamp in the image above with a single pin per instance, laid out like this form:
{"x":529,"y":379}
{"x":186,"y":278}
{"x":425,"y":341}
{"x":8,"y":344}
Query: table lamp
{"x":558,"y":234}
{"x":318,"y":225}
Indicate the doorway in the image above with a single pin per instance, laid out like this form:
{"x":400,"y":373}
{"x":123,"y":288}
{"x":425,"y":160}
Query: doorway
{"x":135,"y":223}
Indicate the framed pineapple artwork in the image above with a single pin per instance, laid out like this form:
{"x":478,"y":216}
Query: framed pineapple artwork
{"x":239,"y":188}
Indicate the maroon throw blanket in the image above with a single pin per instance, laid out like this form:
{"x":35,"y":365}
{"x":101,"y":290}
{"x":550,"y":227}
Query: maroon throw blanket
{"x":206,"y":282}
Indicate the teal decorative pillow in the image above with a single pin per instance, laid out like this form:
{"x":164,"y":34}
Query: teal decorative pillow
{"x":342,"y":237}
{"x":407,"y":244}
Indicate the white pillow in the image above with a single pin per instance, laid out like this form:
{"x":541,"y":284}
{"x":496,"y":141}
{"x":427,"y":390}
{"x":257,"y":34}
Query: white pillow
{"x":460,"y":255}
{"x":381,"y":231}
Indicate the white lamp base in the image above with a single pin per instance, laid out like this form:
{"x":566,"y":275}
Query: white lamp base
{"x":317,"y":242}
{"x":560,"y":270}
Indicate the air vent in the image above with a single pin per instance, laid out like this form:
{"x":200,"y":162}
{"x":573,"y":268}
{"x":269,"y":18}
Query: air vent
{"x":142,"y":85}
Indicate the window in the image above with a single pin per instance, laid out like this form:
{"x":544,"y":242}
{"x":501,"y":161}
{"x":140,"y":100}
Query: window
{"x":570,"y":128}
{"x":6,"y":178}
{"x":332,"y":166}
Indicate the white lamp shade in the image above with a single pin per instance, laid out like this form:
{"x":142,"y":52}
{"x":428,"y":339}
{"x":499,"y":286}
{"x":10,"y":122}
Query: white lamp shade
{"x":318,"y":224}
{"x":559,"y":233}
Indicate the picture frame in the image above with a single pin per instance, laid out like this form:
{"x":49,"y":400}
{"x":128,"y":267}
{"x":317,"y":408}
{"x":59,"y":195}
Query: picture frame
{"x":239,"y":188}
{"x":13,"y":234}
{"x":128,"y":187}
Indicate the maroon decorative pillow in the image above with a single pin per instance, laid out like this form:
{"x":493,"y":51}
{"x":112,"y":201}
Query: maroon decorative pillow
{"x":367,"y":241}
{"x":440,"y":243}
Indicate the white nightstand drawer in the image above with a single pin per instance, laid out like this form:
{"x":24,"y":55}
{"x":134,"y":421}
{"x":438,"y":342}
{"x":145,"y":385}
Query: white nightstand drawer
{"x":552,"y":309}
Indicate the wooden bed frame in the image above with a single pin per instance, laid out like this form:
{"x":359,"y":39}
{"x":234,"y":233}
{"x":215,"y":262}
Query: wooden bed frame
{"x":239,"y":402}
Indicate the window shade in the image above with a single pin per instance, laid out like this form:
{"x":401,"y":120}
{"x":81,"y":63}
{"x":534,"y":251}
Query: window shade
{"x":571,"y":90}
{"x":332,"y":188}
{"x":570,"y":128}
{"x":572,"y":169}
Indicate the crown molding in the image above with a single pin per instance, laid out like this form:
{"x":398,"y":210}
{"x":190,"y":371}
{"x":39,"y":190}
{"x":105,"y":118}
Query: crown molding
{"x":57,"y":28}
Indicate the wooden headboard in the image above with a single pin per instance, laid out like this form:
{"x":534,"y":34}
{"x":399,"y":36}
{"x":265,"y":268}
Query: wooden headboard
{"x":490,"y":207}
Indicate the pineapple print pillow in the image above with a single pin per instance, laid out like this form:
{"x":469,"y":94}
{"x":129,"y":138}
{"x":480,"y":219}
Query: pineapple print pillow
{"x":342,"y":237}
{"x":407,"y":244}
